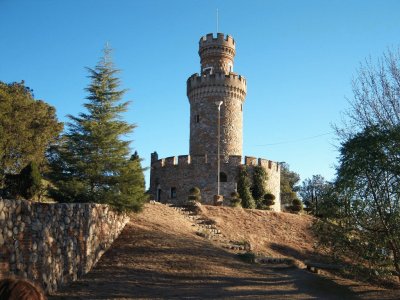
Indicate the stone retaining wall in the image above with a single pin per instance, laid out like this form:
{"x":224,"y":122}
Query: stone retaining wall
{"x":52,"y":244}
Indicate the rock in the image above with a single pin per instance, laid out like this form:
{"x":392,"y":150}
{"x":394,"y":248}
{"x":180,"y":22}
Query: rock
{"x":1,"y":240}
{"x":1,"y":204}
{"x":15,"y":230}
{"x":9,"y":224}
{"x":34,"y":246}
{"x":2,"y":216}
{"x":34,"y":258}
{"x":18,"y":209}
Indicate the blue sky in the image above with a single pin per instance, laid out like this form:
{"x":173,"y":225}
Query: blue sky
{"x":298,"y":57}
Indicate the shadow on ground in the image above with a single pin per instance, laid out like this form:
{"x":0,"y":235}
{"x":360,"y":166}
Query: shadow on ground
{"x":149,"y":260}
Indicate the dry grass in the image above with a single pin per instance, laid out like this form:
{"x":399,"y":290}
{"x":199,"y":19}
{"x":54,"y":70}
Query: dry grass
{"x":159,"y":256}
{"x":269,"y":233}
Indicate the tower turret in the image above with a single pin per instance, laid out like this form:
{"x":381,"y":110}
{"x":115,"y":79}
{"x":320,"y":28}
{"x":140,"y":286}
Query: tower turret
{"x":216,"y":83}
{"x":216,"y":54}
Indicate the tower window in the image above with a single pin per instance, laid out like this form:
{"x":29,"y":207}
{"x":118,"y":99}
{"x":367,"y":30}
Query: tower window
{"x":197,"y":118}
{"x":208,"y":70}
{"x":173,"y":192}
{"x":223,"y":177}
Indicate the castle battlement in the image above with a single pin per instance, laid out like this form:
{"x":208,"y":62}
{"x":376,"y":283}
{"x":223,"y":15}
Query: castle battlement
{"x":262,"y":162}
{"x":232,"y":160}
{"x":221,"y":39}
{"x":213,"y":81}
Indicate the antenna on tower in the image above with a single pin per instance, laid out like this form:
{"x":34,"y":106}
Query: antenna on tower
{"x":217,"y":20}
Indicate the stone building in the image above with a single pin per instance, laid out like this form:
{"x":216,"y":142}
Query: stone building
{"x":216,"y":97}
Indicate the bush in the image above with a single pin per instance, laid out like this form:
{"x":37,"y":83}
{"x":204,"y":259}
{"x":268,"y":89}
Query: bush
{"x":269,"y":200}
{"x":297,"y":206}
{"x":194,"y":195}
{"x":235,"y":199}
{"x":27,"y":184}
{"x":248,"y":257}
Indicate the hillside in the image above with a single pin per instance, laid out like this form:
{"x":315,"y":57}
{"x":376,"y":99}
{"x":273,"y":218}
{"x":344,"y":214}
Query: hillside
{"x":269,"y":233}
{"x":159,"y":255}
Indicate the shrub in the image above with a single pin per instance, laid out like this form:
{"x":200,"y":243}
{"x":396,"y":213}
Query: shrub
{"x":269,"y":200}
{"x":194,"y":194}
{"x":248,"y":257}
{"x":235,"y":199}
{"x":27,"y":184}
{"x":297,"y":206}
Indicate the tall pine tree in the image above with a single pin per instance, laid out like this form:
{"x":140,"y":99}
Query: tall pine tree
{"x":92,"y":162}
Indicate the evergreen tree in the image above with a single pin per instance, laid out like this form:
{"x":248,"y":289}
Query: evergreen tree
{"x":92,"y":162}
{"x":243,"y":188}
{"x":258,"y":188}
{"x":27,"y":128}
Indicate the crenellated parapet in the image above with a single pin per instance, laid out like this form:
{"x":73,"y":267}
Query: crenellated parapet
{"x":216,"y":53}
{"x":222,"y":40}
{"x":232,"y":160}
{"x":218,"y":84}
{"x":265,"y":163}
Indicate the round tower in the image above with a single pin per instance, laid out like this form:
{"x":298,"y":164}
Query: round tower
{"x":216,"y":83}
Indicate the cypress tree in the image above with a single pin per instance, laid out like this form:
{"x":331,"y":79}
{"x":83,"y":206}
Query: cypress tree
{"x":258,"y":189}
{"x":92,"y":162}
{"x":243,"y":188}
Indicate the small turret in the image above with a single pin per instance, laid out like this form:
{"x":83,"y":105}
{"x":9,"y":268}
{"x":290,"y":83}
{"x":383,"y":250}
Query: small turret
{"x":216,"y":54}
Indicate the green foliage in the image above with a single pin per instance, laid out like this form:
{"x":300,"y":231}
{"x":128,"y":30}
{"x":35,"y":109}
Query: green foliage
{"x":194,"y":194}
{"x":30,"y":181}
{"x":235,"y":199}
{"x":27,"y":128}
{"x":297,"y":206}
{"x":289,"y":181}
{"x":315,"y":195}
{"x":91,"y":163}
{"x":25,"y":185}
{"x":248,"y":257}
{"x":258,"y":188}
{"x":243,"y":188}
{"x":269,"y":200}
{"x":366,"y":209}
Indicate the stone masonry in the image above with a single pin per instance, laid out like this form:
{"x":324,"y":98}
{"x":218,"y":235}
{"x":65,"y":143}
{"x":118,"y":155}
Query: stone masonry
{"x":52,"y":244}
{"x":172,"y":177}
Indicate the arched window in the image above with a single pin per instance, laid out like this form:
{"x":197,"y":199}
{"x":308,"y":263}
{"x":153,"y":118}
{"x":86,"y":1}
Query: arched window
{"x":208,"y":70}
{"x":223,"y":177}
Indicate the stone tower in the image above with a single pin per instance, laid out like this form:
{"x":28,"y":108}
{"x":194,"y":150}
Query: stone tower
{"x":216,"y":82}
{"x":172,"y":177}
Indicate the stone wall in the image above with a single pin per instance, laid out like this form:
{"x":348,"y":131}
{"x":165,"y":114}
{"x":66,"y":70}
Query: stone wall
{"x":52,"y":244}
{"x":186,"y":171}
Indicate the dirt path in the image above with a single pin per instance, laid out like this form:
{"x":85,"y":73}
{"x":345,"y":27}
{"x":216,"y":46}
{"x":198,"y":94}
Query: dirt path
{"x":158,"y":256}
